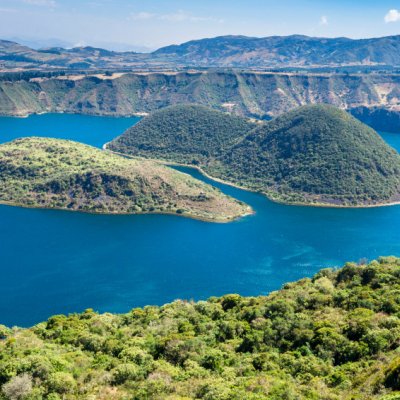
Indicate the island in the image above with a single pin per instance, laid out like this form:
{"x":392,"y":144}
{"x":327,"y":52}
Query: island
{"x":314,"y":155}
{"x":61,"y":174}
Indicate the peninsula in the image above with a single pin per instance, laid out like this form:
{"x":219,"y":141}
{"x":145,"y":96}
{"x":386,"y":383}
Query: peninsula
{"x":61,"y":174}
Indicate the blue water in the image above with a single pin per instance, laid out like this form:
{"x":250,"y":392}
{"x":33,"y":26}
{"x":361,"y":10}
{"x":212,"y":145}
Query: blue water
{"x":59,"y":262}
{"x":91,"y":130}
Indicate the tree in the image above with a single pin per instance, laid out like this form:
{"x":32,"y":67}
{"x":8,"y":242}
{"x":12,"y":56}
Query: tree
{"x":18,"y":388}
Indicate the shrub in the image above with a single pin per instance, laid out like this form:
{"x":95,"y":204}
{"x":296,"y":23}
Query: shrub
{"x":18,"y":388}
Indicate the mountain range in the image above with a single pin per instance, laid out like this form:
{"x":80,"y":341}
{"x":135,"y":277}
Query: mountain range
{"x":276,"y":51}
{"x":223,"y":51}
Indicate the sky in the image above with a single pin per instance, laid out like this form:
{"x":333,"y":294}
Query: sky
{"x":150,"y":24}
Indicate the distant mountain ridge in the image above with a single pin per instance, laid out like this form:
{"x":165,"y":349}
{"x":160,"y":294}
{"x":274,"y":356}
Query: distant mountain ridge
{"x":14,"y":55}
{"x":222,"y":51}
{"x":294,"y":50}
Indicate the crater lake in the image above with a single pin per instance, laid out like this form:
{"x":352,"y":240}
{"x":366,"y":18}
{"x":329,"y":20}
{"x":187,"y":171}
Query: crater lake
{"x":55,"y":262}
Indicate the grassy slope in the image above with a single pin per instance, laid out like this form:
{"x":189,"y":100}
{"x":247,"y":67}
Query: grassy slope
{"x":190,"y":134}
{"x":315,"y":153}
{"x":51,"y":173}
{"x":334,"y":336}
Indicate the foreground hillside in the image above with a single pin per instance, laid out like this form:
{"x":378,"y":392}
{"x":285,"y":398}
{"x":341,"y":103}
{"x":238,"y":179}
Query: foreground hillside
{"x":190,"y":134}
{"x":52,"y":173}
{"x":335,"y":336}
{"x":313,"y":155}
{"x":249,"y":94}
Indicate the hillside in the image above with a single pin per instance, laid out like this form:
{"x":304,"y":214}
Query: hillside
{"x":277,"y":51}
{"x":189,"y":134}
{"x":14,"y":57}
{"x":52,"y":173}
{"x":315,"y":154}
{"x":247,"y":94}
{"x":335,"y":337}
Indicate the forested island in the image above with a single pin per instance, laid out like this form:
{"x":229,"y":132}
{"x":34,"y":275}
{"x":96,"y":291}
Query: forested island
{"x":315,"y":155}
{"x":61,"y":174}
{"x":334,"y":336}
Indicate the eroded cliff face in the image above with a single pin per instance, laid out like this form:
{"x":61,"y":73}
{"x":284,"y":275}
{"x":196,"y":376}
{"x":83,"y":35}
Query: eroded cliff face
{"x":252,"y":94}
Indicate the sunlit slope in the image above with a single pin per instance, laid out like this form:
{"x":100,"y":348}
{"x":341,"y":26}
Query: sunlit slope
{"x":52,"y":173}
{"x":335,"y":337}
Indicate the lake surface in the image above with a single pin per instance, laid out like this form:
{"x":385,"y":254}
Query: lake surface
{"x":56,"y":262}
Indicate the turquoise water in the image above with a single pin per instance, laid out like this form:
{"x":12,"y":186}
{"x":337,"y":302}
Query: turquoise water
{"x":59,"y":262}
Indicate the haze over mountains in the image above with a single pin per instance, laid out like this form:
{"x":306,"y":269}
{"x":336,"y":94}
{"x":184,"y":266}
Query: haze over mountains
{"x":223,"y":51}
{"x":295,"y":50}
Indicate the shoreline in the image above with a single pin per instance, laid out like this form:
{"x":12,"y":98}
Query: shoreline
{"x":219,"y":180}
{"x":184,"y":215}
{"x":139,"y":114}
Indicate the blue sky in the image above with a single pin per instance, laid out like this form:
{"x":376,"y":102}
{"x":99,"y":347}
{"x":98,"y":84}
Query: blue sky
{"x":123,"y":24}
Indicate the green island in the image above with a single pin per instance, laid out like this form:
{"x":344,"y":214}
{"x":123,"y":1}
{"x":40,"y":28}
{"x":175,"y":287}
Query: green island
{"x":188,"y":134}
{"x":314,"y":155}
{"x":334,"y":336}
{"x":61,"y":174}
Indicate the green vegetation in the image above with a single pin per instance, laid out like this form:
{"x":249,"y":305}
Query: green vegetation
{"x":52,"y":173}
{"x":313,"y":155}
{"x":249,"y":94}
{"x":335,"y":337}
{"x":189,"y":134}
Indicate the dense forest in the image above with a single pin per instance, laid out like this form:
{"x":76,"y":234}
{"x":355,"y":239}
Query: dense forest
{"x":190,"y":134}
{"x":335,"y":336}
{"x":53,"y":173}
{"x":316,"y":154}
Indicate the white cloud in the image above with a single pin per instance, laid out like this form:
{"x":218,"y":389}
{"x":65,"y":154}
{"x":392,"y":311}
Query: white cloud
{"x":143,"y":15}
{"x":178,"y":16}
{"x":323,"y":20}
{"x":81,"y":43}
{"x":392,"y":16}
{"x":181,"y":15}
{"x":8,"y":10}
{"x":47,"y":3}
